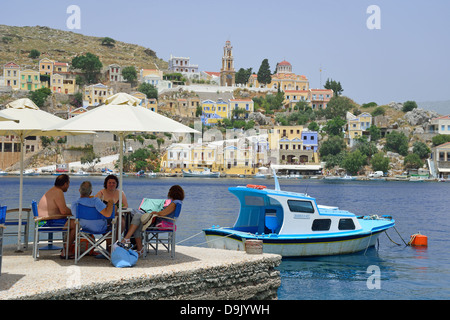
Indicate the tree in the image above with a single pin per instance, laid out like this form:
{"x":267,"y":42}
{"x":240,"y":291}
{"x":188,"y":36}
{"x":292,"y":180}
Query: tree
{"x":354,"y":161}
{"x":409,"y":106}
{"x":338,"y":107}
{"x":333,"y":85}
{"x":90,"y":65}
{"x":40,"y":96}
{"x":440,"y":139}
{"x":379,"y":162}
{"x":89,"y":157}
{"x":332,"y":146}
{"x":150,"y":91}
{"x":421,"y":149}
{"x":334,"y":127}
{"x":397,"y":142}
{"x":242,"y":75}
{"x":129,"y":74}
{"x":375,"y":133}
{"x":367,"y":148}
{"x":264,"y":75}
{"x":109,"y":42}
{"x":34,"y":54}
{"x":77,"y":100}
{"x":313,"y":126}
{"x":412,"y":161}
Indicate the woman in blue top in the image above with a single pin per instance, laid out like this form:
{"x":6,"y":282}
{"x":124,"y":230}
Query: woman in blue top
{"x":176,"y":194}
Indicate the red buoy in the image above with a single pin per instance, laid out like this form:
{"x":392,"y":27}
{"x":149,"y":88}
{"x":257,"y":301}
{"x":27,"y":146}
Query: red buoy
{"x":419,"y":240}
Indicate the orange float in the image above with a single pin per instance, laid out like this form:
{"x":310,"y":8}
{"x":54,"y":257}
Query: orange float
{"x":419,"y":240}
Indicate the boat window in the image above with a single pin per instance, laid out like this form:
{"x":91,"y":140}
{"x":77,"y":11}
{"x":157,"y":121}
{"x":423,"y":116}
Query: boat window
{"x":254,"y":201}
{"x":321,"y":225}
{"x":301,"y":206}
{"x":346,"y":224}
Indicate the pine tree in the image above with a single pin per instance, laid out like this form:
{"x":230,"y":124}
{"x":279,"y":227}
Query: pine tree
{"x":264,"y":75}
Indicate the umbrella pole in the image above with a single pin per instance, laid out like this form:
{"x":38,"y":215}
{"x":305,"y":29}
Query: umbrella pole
{"x":119,"y":236}
{"x":19,"y":224}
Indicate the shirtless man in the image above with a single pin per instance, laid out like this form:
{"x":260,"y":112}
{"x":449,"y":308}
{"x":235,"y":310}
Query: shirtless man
{"x":53,"y":202}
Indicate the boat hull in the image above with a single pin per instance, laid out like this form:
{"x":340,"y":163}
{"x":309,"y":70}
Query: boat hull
{"x":201,"y":175}
{"x":292,"y":246}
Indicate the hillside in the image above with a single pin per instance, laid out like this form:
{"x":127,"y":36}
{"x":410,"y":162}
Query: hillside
{"x":17,"y":42}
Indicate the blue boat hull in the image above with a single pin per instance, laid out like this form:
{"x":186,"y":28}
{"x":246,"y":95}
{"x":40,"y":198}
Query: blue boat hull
{"x":297,"y":245}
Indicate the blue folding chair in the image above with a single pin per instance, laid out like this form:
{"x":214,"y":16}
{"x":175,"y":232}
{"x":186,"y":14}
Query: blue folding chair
{"x":90,"y":223}
{"x":25,"y":222}
{"x":2,"y":226}
{"x":151,"y":236}
{"x":49,"y":226}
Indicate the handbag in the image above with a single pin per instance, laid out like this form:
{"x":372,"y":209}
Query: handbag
{"x":123,"y":258}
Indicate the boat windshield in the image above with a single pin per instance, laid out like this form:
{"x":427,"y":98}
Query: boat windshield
{"x":259,"y":214}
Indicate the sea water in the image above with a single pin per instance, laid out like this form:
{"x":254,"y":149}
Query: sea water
{"x":390,"y":271}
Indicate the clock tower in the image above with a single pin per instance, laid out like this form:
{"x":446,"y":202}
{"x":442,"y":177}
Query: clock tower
{"x":227,"y":73}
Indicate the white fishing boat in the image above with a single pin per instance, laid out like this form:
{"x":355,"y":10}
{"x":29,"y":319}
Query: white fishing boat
{"x":293,"y":224}
{"x":3,"y":173}
{"x":81,"y":173}
{"x":205,"y":173}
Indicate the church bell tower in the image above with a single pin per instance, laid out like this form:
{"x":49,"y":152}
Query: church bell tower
{"x":227,"y":73}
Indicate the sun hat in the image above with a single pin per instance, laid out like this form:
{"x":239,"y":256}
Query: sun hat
{"x":147,"y":219}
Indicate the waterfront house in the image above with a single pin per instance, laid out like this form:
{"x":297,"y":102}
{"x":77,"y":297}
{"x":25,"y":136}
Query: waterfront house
{"x":292,"y":97}
{"x":60,"y":67}
{"x":246,"y":106}
{"x":440,"y":125}
{"x":357,"y":126}
{"x":46,"y":66}
{"x":182,"y":65}
{"x":114,"y":73}
{"x":30,"y":80}
{"x":96,"y":94}
{"x":11,"y":75}
{"x":214,"y":111}
{"x":63,"y":82}
{"x":440,"y":157}
{"x":319,"y":98}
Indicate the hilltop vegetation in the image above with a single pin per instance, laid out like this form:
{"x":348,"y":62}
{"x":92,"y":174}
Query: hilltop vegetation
{"x":17,"y":44}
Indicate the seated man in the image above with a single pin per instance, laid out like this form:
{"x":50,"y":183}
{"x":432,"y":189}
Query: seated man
{"x":53,"y":205}
{"x":94,"y":202}
{"x":53,"y":202}
{"x":88,"y":201}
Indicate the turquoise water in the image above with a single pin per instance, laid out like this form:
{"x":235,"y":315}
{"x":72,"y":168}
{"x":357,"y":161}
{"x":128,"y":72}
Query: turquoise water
{"x":389,"y":271}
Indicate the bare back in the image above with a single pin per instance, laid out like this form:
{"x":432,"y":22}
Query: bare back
{"x":53,"y":203}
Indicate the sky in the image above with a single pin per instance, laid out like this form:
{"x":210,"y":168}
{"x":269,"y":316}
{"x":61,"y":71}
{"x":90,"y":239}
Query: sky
{"x":398,"y":51}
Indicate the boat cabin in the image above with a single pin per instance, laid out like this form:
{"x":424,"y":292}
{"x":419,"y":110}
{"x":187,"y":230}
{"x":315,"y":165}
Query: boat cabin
{"x":276,"y":212}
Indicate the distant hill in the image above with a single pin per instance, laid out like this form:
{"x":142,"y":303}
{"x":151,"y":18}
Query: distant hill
{"x":441,"y":107}
{"x":17,"y":42}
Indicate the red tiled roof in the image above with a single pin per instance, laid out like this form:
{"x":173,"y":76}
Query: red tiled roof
{"x":284,"y":63}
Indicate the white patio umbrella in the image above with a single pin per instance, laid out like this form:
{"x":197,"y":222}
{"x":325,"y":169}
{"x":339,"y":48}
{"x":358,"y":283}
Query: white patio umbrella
{"x":4,"y":117}
{"x":122,"y":119}
{"x":32,"y":122}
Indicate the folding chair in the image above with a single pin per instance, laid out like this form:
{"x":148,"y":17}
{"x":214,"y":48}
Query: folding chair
{"x":2,"y":226}
{"x":49,"y":226}
{"x":90,"y":223}
{"x":25,"y":223}
{"x":151,"y":236}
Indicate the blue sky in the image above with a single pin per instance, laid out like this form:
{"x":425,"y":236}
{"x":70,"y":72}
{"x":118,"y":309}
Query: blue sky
{"x":406,"y":59}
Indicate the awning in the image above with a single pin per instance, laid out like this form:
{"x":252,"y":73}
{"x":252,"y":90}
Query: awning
{"x":444,"y":169}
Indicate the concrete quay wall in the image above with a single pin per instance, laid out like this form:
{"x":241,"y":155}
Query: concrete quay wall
{"x":195,"y":274}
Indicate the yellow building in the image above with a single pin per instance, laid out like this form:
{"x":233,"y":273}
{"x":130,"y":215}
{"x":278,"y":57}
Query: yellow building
{"x":63,"y":83}
{"x":96,"y":94}
{"x":11,"y":74}
{"x":319,"y":98}
{"x":292,"y":97}
{"x":284,"y":79}
{"x":247,"y":105}
{"x":357,"y":125}
{"x":151,"y":104}
{"x":30,"y":80}
{"x":214,"y":111}
{"x":60,"y":67}
{"x":46,"y":66}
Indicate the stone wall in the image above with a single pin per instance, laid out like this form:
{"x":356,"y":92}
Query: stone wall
{"x":249,"y":280}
